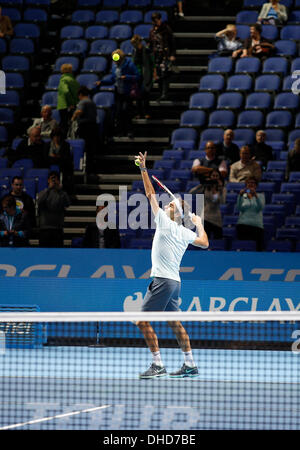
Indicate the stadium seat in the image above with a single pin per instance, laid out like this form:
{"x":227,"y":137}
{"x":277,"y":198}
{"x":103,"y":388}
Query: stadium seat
{"x":77,"y":147}
{"x":288,"y":233}
{"x":186,"y":164}
{"x":291,"y":32}
{"x":258,"y":100}
{"x":221,"y":118}
{"x":242,"y":83}
{"x":292,"y":221}
{"x":35,"y":15}
{"x":196,"y":154}
{"x":120,"y":32}
{"x":104,"y":99}
{"x":73,"y":60}
{"x":292,"y":188}
{"x":23,"y":164}
{"x":288,"y":82}
{"x":107,"y":17}
{"x":39,"y":3}
{"x":3,"y":135}
{"x":114,"y":3}
{"x":276,"y":166}
{"x":165,"y":165}
{"x":211,"y":134}
{"x":13,"y":13}
{"x":217,"y":245}
{"x":127,"y":47}
{"x":220,"y":65}
{"x":243,"y":245}
{"x":103,"y":47}
{"x":52,"y":82}
{"x":10,"y":100}
{"x":243,"y":31}
{"x":294,"y":18}
{"x":275,"y":245}
{"x":148,"y":15}
{"x":3,"y":163}
{"x":83,"y":16}
{"x":9,"y":173}
{"x":267,"y":83}
{"x":293,"y":135}
{"x":230,"y":100}
{"x":96,"y":32}
{"x":143,"y":30}
{"x":3,"y":46}
{"x":286,"y":100}
{"x":279,"y":119}
{"x":297,"y":121}
{"x":184,"y":134}
{"x":285,"y":200}
{"x":94,"y":64}
{"x":247,"y":65}
{"x":180,"y":174}
{"x":267,"y":188}
{"x":269,"y":32}
{"x":71,"y":32}
{"x":275,"y":65}
{"x":20,"y":46}
{"x":87,"y":80}
{"x":6,"y":116}
{"x":246,"y":17}
{"x":191,"y":118}
{"x":276,"y":177}
{"x":15,"y":64}
{"x":41,"y":177}
{"x":202,"y":100}
{"x":27,"y":30}
{"x":131,"y":17}
{"x":140,"y":243}
{"x":88,"y":3}
{"x":139,"y":4}
{"x":234,"y":187}
{"x":163,"y":3}
{"x":212,"y":83}
{"x":294,"y":177}
{"x":250,"y":119}
{"x":175,"y":155}
{"x":50,"y":98}
{"x":285,"y":47}
{"x":244,"y":134}
{"x":74,"y":47}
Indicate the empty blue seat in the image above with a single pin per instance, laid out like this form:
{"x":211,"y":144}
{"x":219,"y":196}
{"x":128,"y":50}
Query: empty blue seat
{"x":292,"y":221}
{"x":217,"y":245}
{"x":279,"y":119}
{"x":77,"y":147}
{"x":288,"y":233}
{"x":9,"y":173}
{"x":243,"y":245}
{"x":39,"y":3}
{"x":88,"y":3}
{"x":23,"y":164}
{"x":212,"y":82}
{"x":276,"y":177}
{"x":142,"y":30}
{"x":6,"y":116}
{"x":140,"y":243}
{"x":73,"y":60}
{"x":3,"y":163}
{"x":292,"y":188}
{"x":267,"y":83}
{"x":127,"y":47}
{"x":196,"y":154}
{"x":184,"y":134}
{"x":211,"y":134}
{"x":94,"y":64}
{"x":113,"y":3}
{"x":258,"y":100}
{"x":50,"y":98}
{"x":53,"y":82}
{"x":230,"y":100}
{"x":286,"y":100}
{"x":250,"y":119}
{"x":294,"y":17}
{"x":83,"y":16}
{"x":269,"y":32}
{"x":104,"y":99}
{"x":278,"y":246}
{"x":15,"y":64}
{"x":297,"y":121}
{"x":234,"y":187}
{"x":27,"y":30}
{"x":246,"y":17}
{"x":247,"y":65}
{"x":3,"y":46}
{"x":244,"y":134}
{"x":103,"y":47}
{"x":192,"y":118}
{"x":276,"y":166}
{"x":294,"y":176}
{"x":285,"y":47}
{"x":14,"y":80}
{"x":163,"y":3}
{"x":148,"y":16}
{"x":139,"y":4}
{"x":96,"y":32}
{"x":202,"y":100}
{"x":174,"y":186}
{"x":285,"y":200}
{"x":186,"y":164}
{"x":274,"y":65}
{"x":88,"y":80}
{"x":293,"y":135}
{"x":41,"y":177}
{"x":165,"y":165}
{"x":13,"y":13}
{"x":107,"y":17}
{"x":221,"y":118}
{"x":20,"y":46}
{"x":243,"y":31}
{"x":74,"y":47}
{"x":176,"y":155}
{"x":180,"y":174}
{"x":221,"y":64}
{"x":120,"y":32}
{"x":239,"y":83}
{"x":3,"y":135}
{"x":290,"y":32}
{"x":131,"y":17}
{"x":35,"y":15}
{"x":11,"y":99}
{"x":71,"y":32}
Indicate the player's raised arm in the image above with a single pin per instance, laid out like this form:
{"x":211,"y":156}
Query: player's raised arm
{"x":202,"y":239}
{"x":149,"y":189}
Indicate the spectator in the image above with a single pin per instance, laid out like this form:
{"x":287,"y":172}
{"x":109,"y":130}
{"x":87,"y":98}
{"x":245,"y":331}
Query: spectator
{"x":250,"y":205}
{"x":143,"y":59}
{"x":6,"y":28}
{"x":261,"y":151}
{"x":52,"y":202}
{"x":273,"y":14}
{"x":58,"y":153}
{"x":86,"y":118}
{"x":101,"y":238}
{"x":293,"y":159}
{"x":227,"y":41}
{"x":228,"y":149}
{"x":244,"y":168}
{"x":202,"y":167}
{"x":125,"y":76}
{"x":162,"y":44}
{"x":67,"y":96}
{"x":214,"y":195}
{"x":255,"y":45}
{"x":32,"y":147}
{"x":24,"y":202}
{"x":14,"y":224}
{"x":45,"y":122}
{"x":180,"y":8}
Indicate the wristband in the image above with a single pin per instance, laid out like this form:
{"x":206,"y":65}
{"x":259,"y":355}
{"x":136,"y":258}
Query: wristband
{"x":143,"y":169}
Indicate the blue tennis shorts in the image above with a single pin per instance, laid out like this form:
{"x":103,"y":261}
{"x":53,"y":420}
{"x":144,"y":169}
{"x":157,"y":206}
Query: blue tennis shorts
{"x":162,"y":295}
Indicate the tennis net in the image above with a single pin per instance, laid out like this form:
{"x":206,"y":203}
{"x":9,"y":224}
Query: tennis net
{"x":82,"y":371}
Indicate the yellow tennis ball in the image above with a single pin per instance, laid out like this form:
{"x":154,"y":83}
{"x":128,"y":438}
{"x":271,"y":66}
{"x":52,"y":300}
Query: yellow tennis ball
{"x":116,"y":57}
{"x":137,"y":162}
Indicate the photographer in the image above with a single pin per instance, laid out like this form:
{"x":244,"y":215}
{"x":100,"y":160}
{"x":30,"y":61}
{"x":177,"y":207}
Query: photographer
{"x":14,"y":224}
{"x":250,"y":205}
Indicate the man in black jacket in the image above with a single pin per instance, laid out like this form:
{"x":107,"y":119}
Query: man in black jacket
{"x":14,"y":224}
{"x":261,"y":151}
{"x":32,"y":147}
{"x":23,"y":201}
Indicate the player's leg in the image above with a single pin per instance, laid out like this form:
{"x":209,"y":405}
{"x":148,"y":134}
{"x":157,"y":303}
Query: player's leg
{"x":156,"y":369}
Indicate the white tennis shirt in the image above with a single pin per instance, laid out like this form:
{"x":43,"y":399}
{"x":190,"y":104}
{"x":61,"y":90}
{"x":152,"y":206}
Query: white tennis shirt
{"x":169,"y":244}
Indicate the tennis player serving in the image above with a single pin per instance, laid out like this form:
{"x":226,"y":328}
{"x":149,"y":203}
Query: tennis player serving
{"x":170,"y":241}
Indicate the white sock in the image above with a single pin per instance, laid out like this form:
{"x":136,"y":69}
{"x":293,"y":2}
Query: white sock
{"x":188,"y":359}
{"x":157,"y":359}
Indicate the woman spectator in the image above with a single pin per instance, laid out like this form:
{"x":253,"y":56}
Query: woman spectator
{"x":143,"y":59}
{"x":14,"y":224}
{"x":255,"y":45}
{"x":227,"y":41}
{"x":67,"y":96}
{"x":250,"y":205}
{"x":273,"y":14}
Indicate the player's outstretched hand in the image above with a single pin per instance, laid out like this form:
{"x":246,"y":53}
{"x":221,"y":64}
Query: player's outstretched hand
{"x":141,"y":158}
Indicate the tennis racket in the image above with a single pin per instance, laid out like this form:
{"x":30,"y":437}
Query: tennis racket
{"x":164,"y":188}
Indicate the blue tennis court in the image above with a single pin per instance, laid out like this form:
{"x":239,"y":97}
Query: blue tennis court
{"x":89,"y":388}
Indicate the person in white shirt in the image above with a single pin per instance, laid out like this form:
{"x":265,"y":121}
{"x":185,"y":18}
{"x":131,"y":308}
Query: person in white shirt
{"x":170,"y":241}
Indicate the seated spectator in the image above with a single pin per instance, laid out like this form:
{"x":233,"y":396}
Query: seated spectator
{"x":67,"y":96}
{"x":85,"y":116}
{"x":6,"y":28}
{"x":250,"y":205}
{"x":52,"y":202}
{"x":202,"y":167}
{"x":32,"y":147}
{"x":261,"y":151}
{"x":227,"y":149}
{"x":293,"y":159}
{"x":227,"y":41}
{"x":23,"y":201}
{"x":58,"y":153}
{"x":244,"y":168}
{"x":272,"y":13}
{"x":255,"y":45}
{"x":45,"y":122}
{"x":14,"y":224}
{"x":214,"y":195}
{"x":108,"y":237}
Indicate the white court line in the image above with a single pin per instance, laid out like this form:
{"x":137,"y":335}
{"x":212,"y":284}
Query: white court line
{"x":58,"y":416}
